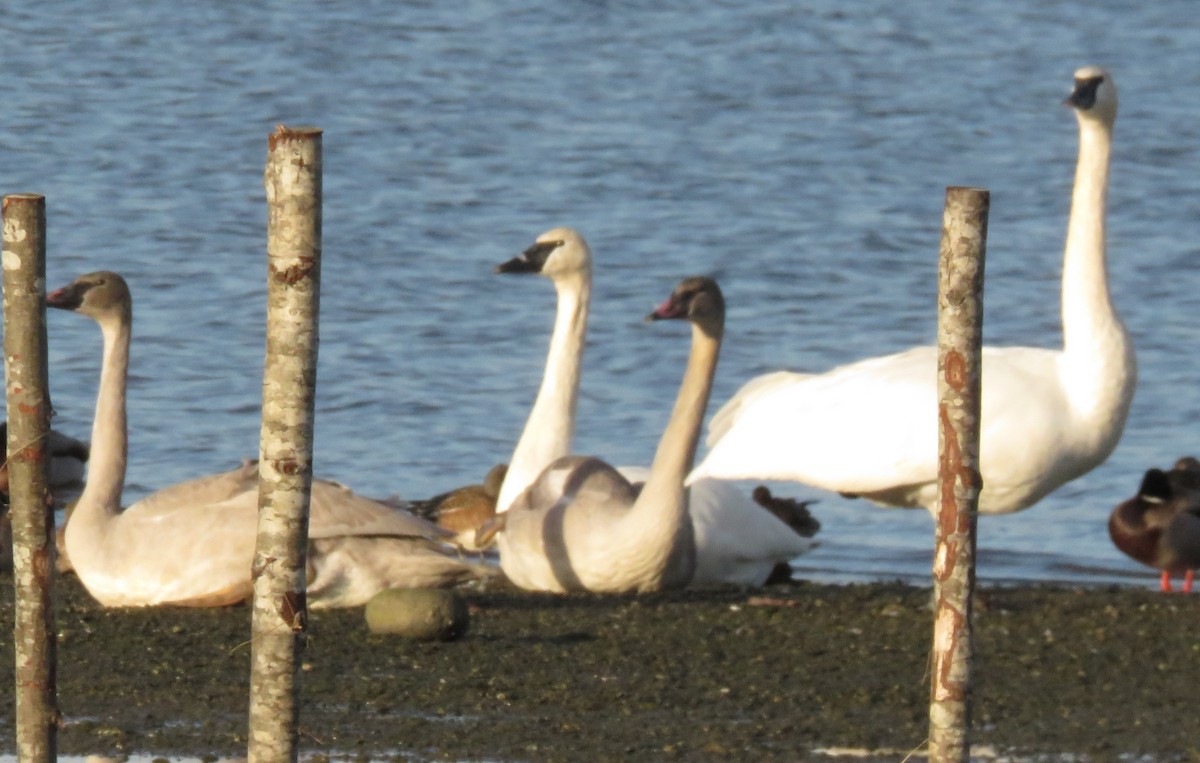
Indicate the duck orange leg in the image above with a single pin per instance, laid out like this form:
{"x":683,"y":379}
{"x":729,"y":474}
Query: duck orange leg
{"x":1165,"y":582}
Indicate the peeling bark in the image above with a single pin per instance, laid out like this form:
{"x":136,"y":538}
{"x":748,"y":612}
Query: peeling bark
{"x":24,"y":263}
{"x":293,"y":185}
{"x":960,"y":362}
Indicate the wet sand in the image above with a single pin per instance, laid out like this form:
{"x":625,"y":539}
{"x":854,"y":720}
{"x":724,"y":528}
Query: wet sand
{"x":774,"y":674}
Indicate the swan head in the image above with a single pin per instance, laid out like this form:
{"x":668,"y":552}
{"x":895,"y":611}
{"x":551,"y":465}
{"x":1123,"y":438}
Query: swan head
{"x":102,"y":296}
{"x":697,"y":299}
{"x":1094,"y":96}
{"x":557,"y":253}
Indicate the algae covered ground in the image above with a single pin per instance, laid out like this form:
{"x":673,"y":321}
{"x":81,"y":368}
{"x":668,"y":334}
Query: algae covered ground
{"x":777,"y":674}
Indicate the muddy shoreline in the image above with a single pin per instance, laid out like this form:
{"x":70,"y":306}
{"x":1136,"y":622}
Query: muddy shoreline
{"x":766,"y":674}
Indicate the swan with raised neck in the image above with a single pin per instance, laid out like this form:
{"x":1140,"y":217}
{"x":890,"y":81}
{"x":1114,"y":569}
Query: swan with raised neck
{"x":581,"y":526}
{"x":1049,"y":416}
{"x":192,"y":544}
{"x":737,"y":540}
{"x":561,"y":255}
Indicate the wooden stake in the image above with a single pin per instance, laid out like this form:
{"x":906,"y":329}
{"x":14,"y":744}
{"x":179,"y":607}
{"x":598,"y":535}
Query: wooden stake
{"x":293,"y":185}
{"x":960,"y":364}
{"x":24,"y":261}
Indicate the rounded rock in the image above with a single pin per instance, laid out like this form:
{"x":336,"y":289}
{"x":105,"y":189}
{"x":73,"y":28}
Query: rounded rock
{"x":423,"y":614}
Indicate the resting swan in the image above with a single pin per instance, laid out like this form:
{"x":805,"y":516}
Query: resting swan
{"x":737,"y":541}
{"x":1160,"y":526}
{"x":582,"y":526}
{"x":869,"y":429}
{"x":192,"y":544}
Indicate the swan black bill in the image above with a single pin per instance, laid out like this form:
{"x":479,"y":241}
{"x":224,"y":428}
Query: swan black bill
{"x":1084,"y":95}
{"x":66,"y":298}
{"x":532,"y":260}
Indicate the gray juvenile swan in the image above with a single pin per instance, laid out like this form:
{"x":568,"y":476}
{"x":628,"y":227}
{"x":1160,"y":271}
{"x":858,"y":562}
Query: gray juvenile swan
{"x":582,"y":526}
{"x":192,"y":544}
{"x":1049,"y":415}
{"x":737,"y":540}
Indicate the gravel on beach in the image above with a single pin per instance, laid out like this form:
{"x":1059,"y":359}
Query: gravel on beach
{"x":783,"y":673}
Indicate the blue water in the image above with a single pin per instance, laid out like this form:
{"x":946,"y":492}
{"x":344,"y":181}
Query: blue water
{"x":799,"y":154}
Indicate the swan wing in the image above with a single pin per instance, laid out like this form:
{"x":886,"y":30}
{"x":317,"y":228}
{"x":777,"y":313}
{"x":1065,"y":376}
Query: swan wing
{"x":199,"y":492}
{"x":737,"y":540}
{"x":728,"y":413}
{"x":335,"y":510}
{"x":870,"y":428}
{"x":584,"y":479}
{"x":859,"y":428}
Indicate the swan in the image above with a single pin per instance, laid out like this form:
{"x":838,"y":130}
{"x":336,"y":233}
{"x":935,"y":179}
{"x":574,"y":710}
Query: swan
{"x":562,"y":255}
{"x":869,"y":428}
{"x":192,"y":544}
{"x":68,"y":457}
{"x":736,"y":540}
{"x":1160,"y":526}
{"x":582,"y":526}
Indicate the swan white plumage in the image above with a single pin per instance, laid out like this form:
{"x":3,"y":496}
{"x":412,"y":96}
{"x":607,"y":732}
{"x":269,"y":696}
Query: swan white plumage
{"x":737,"y":540}
{"x":582,"y":526}
{"x":1049,"y":416}
{"x":192,"y":544}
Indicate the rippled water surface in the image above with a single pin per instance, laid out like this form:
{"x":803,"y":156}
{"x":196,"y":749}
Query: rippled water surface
{"x":799,"y":154}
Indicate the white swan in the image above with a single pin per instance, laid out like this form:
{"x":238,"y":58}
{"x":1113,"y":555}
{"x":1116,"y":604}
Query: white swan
{"x":737,"y":541}
{"x":582,"y":526}
{"x":1049,"y":416}
{"x":192,"y":544}
{"x":563,"y":256}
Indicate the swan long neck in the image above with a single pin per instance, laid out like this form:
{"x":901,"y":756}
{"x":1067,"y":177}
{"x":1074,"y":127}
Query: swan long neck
{"x":550,"y":428}
{"x":662,"y":503}
{"x":1099,"y":365}
{"x":1088,"y":313}
{"x":106,"y":466}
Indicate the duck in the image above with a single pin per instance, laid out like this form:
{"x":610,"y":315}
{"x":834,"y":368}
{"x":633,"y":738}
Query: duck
{"x":869,"y":429}
{"x":583,"y":526}
{"x":463,"y":510}
{"x":737,"y":542}
{"x":68,"y":458}
{"x":192,"y":544}
{"x":1160,"y":526}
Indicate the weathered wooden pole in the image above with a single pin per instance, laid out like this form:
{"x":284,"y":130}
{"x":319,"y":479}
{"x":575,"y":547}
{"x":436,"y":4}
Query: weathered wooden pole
{"x":27,"y":387}
{"x":293,"y":185}
{"x":960,"y":372}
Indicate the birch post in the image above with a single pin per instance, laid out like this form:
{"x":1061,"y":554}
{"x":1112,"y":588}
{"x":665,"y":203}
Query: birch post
{"x":24,"y":261}
{"x":293,"y":185}
{"x":960,"y":364}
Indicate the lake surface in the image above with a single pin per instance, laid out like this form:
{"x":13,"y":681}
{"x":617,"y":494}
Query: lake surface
{"x":798,"y":154}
